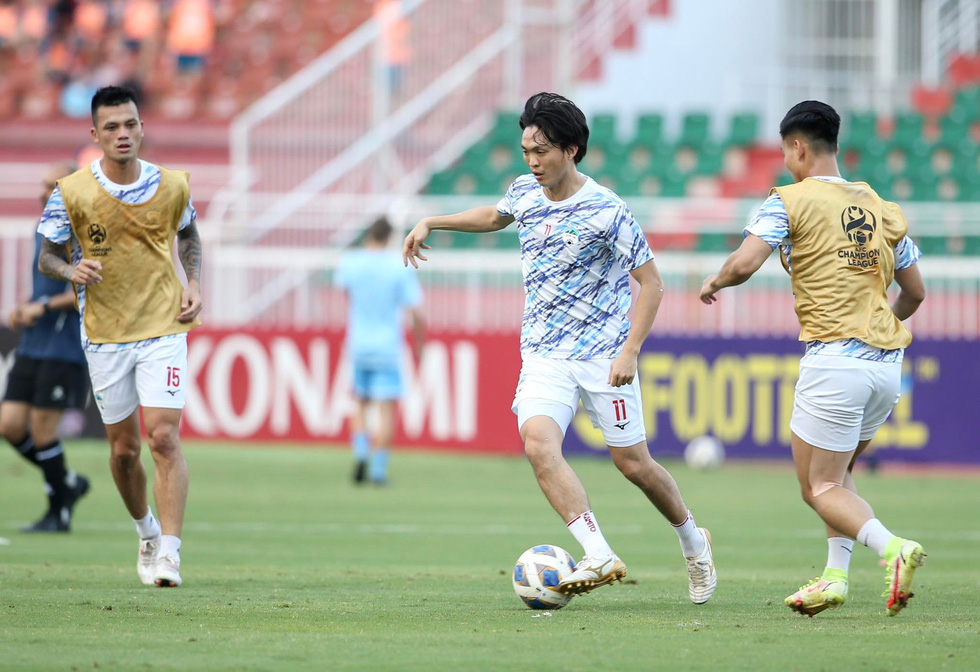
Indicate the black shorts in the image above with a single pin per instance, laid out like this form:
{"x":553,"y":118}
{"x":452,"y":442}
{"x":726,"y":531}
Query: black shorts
{"x":47,"y":383}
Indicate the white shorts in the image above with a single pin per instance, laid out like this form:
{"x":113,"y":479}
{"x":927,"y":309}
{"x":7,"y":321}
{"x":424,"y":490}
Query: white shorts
{"x":841,"y":401}
{"x":616,"y":411}
{"x":151,"y":376}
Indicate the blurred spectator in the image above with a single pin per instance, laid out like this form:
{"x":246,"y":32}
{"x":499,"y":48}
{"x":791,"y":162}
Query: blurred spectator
{"x":34,"y":20}
{"x":191,"y":35}
{"x":8,"y":24}
{"x":395,"y":47}
{"x":141,"y":22}
{"x":91,"y":17}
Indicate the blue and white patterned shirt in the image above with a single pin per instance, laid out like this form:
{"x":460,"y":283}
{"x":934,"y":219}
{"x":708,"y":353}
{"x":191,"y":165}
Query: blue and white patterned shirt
{"x":576,"y":256}
{"x":56,"y":227}
{"x":771,"y":223}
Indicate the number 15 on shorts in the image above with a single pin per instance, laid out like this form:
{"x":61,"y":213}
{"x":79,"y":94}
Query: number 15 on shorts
{"x":173,"y":377}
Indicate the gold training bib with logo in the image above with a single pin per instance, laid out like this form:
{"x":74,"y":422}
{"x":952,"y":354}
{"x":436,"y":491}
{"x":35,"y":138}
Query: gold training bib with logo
{"x":843,"y":236}
{"x":139,"y":296}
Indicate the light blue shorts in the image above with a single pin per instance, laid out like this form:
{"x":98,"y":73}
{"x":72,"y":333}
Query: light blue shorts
{"x":377,"y":384}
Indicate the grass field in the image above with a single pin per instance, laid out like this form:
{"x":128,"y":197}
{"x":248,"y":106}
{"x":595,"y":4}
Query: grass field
{"x":287,"y":566}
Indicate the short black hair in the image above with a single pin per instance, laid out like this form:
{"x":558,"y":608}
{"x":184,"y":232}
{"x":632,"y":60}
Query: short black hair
{"x":380,"y":230}
{"x":559,"y":119}
{"x":110,"y":96}
{"x":818,"y":122}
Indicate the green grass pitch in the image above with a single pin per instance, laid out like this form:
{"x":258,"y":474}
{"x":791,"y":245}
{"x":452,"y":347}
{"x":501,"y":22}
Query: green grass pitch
{"x":288,"y":566}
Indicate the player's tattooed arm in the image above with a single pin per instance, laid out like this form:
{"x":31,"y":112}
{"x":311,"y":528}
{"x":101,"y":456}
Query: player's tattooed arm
{"x":52,"y":263}
{"x":189,"y":251}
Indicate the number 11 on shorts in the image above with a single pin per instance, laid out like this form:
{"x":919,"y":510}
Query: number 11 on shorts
{"x":173,"y":376}
{"x":620,"y":406}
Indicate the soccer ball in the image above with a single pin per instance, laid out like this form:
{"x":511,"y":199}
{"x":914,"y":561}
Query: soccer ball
{"x":704,"y":452}
{"x":537,"y":573}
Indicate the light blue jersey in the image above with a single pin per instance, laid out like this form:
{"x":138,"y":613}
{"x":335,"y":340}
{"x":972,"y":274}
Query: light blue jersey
{"x":56,"y":227}
{"x":576,"y":256}
{"x":771,"y":223}
{"x":379,"y":289}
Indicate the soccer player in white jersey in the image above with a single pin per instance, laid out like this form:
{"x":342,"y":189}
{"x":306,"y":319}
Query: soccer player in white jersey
{"x":120,"y":216}
{"x":842,"y":245}
{"x":579,"y":247}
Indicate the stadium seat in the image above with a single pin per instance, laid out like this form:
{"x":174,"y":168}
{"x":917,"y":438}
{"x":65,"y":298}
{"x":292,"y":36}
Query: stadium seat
{"x":649,"y":128}
{"x":744,"y":129}
{"x":861,"y":128}
{"x":602,"y":128}
{"x":710,"y":160}
{"x":967,"y":104}
{"x":695,"y":129}
{"x":908,"y":129}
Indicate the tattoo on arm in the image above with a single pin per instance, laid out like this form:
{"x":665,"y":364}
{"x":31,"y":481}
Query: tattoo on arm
{"x":52,"y":261}
{"x":189,"y":251}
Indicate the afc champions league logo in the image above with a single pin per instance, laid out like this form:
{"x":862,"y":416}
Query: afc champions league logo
{"x":97,"y":233}
{"x":859,"y":224}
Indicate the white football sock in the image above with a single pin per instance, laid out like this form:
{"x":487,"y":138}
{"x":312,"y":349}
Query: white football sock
{"x":170,"y":545}
{"x":839,"y":553}
{"x":692,"y":543}
{"x":586,"y":531}
{"x":147,"y":526}
{"x":875,"y":536}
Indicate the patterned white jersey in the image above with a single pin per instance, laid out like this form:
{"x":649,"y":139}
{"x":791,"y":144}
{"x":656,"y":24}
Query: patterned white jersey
{"x":56,"y":227}
{"x":771,"y":223}
{"x":576,"y":256}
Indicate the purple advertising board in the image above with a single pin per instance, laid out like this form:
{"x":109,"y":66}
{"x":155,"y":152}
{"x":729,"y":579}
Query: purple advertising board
{"x":740,"y":390}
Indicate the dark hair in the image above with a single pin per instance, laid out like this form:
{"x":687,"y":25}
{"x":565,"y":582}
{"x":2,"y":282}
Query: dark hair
{"x":110,"y":96}
{"x":561,"y":122}
{"x":818,"y":122}
{"x":380,"y":230}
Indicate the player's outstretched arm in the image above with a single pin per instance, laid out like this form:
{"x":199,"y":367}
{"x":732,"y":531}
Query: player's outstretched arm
{"x":913,"y":292}
{"x":478,"y":220}
{"x":189,"y":253}
{"x":52,"y":263}
{"x":739,"y":267}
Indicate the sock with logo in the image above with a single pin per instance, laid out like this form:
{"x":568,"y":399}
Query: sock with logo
{"x":692,"y":543}
{"x":586,"y":530}
{"x":170,"y":546}
{"x":839,"y":553}
{"x":27,"y":449}
{"x":875,"y":536}
{"x":147,"y":526}
{"x":51,"y":460}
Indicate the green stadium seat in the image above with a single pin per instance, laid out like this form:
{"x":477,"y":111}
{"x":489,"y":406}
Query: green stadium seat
{"x":953,"y":130}
{"x":966,"y":105}
{"x":714,"y":242}
{"x":442,"y":183}
{"x":925,"y":184}
{"x":507,"y":126}
{"x":872,"y":158}
{"x":711,"y":159}
{"x":602,"y":128}
{"x":649,"y":128}
{"x":744,"y":130}
{"x":862,"y":127}
{"x":908,"y":129}
{"x":673,"y":184}
{"x":695,"y":129}
{"x":931,"y":244}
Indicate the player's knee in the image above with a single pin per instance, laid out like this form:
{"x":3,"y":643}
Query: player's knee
{"x":633,"y":468}
{"x":541,"y":449}
{"x":806,"y":492}
{"x":822,"y":487}
{"x":125,"y":448}
{"x":163,"y":438}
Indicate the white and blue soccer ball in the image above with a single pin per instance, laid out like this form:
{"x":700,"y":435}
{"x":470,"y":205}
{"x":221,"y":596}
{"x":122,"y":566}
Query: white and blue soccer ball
{"x":704,"y":452}
{"x":537,"y":573}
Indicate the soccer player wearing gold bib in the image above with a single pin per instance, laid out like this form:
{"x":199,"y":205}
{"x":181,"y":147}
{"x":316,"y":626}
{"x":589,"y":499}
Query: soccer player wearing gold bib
{"x":842,"y":246}
{"x":119,"y":217}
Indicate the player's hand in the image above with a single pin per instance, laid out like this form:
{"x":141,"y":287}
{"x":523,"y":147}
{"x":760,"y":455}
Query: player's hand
{"x":623,"y":370}
{"x":15,"y":321}
{"x":87,"y":272}
{"x":190,"y":303}
{"x":30,"y":313}
{"x":414,"y":242}
{"x":708,"y":290}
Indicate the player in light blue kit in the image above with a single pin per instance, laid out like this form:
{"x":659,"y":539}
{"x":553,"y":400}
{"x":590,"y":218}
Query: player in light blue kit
{"x":579,"y":247}
{"x":379,"y":292}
